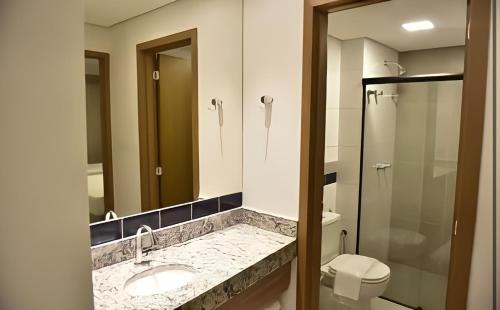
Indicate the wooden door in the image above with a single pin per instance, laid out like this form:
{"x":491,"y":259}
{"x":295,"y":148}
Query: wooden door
{"x":175,"y":130}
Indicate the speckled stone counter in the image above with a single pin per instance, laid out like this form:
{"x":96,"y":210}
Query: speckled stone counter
{"x":226,"y":261}
{"x":110,"y":253}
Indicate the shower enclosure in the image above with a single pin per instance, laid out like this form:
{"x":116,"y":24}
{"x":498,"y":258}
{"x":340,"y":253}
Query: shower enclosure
{"x":409,"y":156}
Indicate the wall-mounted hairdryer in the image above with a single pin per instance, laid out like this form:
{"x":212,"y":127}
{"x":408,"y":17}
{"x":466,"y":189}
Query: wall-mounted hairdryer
{"x":217,"y":105}
{"x":268,"y":104}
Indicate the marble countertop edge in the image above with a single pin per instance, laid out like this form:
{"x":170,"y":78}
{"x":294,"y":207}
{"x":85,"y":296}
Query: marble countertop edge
{"x":232,"y":287}
{"x":230,"y":261}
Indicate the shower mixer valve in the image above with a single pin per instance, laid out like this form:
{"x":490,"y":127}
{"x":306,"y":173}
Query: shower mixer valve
{"x":381,"y":166}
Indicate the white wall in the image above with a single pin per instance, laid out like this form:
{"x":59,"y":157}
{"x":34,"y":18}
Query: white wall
{"x":332,"y":119}
{"x":332,"y":99}
{"x":97,"y":38}
{"x":448,"y":60}
{"x":219,"y":74}
{"x":379,"y":139}
{"x":360,"y":58}
{"x":44,"y":232}
{"x":481,"y":278}
{"x":272,"y":48}
{"x":272,"y":66}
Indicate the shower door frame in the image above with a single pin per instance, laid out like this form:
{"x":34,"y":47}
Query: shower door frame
{"x":380,"y":81}
{"x":313,"y":143}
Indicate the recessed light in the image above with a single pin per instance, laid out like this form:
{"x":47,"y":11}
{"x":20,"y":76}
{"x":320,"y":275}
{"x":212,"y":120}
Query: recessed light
{"x":417,"y":26}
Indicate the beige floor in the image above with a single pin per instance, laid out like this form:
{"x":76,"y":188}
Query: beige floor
{"x":327,"y":302}
{"x":382,"y":304}
{"x":415,"y":286}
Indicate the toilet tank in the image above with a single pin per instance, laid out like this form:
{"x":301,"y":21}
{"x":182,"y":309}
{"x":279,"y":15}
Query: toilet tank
{"x":330,"y":239}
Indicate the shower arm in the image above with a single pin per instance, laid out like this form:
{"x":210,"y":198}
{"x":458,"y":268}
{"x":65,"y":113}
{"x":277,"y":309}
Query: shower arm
{"x":401,"y":69}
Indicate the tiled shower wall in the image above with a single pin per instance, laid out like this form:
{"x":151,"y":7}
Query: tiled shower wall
{"x":358,"y":58}
{"x":332,"y":120}
{"x":332,"y":99}
{"x":380,"y":130}
{"x":364,"y":58}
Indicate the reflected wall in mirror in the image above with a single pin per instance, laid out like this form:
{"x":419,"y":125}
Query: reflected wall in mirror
{"x":171,"y":145}
{"x":99,"y":150}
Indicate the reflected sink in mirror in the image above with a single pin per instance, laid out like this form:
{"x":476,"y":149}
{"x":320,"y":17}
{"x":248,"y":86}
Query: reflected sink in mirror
{"x":159,"y":279}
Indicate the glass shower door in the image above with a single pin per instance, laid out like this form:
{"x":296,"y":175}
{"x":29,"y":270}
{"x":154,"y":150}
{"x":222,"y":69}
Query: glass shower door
{"x":409,"y":164}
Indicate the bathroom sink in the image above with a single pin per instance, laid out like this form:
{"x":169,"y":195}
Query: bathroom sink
{"x":159,"y":279}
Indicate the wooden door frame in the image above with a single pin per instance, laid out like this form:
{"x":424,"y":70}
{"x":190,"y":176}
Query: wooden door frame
{"x":146,"y":93}
{"x":313,"y":142}
{"x":107,"y":148}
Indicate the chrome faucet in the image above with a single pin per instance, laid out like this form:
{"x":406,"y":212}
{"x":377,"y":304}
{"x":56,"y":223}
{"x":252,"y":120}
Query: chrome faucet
{"x":111,"y":215}
{"x":139,"y":251}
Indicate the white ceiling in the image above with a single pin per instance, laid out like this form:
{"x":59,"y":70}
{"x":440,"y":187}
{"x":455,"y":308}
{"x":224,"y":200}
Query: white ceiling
{"x":382,"y":22}
{"x":109,"y":12}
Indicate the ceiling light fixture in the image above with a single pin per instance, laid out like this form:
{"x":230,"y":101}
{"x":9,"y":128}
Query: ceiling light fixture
{"x":417,"y":26}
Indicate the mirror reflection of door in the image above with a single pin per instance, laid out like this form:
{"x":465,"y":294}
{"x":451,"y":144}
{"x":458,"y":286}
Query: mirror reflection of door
{"x":168,"y":120}
{"x":99,"y":166}
{"x":175,"y":126}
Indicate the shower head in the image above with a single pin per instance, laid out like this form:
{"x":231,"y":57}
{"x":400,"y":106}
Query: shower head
{"x":401,"y":69}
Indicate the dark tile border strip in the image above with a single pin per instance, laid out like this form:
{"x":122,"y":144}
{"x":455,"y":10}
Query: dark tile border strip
{"x":113,"y":230}
{"x":229,"y":202}
{"x":330,"y":178}
{"x":205,"y":208}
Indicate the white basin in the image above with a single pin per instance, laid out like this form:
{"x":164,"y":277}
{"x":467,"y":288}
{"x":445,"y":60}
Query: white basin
{"x":159,"y":280}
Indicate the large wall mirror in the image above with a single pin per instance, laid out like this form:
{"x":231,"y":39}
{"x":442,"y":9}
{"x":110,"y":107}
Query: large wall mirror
{"x":164,"y":104}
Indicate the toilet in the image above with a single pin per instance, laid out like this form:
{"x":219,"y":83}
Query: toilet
{"x":373,"y":284}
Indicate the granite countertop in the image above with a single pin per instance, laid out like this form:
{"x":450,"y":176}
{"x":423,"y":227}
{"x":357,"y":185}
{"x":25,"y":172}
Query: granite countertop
{"x":225,"y":262}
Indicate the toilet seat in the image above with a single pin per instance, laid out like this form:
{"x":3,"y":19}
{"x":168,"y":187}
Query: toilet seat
{"x":378,"y":273}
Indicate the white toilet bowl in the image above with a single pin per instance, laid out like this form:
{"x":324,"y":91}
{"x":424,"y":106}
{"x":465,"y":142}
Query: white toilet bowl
{"x":373,"y":283}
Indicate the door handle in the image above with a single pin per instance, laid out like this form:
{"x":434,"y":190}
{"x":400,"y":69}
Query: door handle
{"x":159,"y":171}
